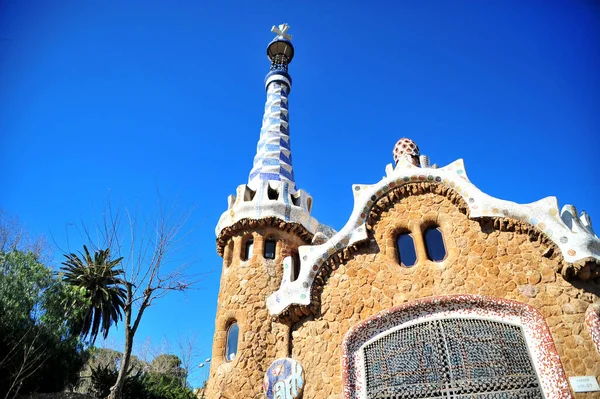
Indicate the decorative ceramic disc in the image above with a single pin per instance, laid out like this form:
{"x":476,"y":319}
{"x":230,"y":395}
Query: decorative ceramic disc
{"x":284,"y":379}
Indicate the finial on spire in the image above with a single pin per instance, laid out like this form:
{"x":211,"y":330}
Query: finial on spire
{"x":280,"y":51}
{"x":281,"y":31}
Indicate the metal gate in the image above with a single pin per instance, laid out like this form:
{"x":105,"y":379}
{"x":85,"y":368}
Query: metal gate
{"x":451,"y":358}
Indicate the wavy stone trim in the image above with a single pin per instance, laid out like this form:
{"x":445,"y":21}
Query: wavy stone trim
{"x":577,"y":244}
{"x":537,"y":334}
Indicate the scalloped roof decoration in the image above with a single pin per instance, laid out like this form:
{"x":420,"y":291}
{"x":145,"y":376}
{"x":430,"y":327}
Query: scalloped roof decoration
{"x":271,"y":199}
{"x":573,"y":235}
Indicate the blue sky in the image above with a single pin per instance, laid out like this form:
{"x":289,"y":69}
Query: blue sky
{"x":116,"y":98}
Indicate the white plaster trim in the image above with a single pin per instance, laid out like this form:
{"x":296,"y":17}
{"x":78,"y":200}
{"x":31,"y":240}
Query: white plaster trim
{"x":575,"y":240}
{"x":261,"y":206}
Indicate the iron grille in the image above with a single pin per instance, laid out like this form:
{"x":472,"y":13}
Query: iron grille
{"x":451,"y":358}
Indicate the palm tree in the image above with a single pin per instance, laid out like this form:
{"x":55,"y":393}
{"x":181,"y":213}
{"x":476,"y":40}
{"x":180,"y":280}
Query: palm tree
{"x":103,"y":287}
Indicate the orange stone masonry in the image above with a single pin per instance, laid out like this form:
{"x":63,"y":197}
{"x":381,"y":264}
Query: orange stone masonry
{"x":244,"y":288}
{"x":480,"y":260}
{"x":513,"y":307}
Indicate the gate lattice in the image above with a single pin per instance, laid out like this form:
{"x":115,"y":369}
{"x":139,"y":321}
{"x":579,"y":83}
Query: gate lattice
{"x":451,"y":358}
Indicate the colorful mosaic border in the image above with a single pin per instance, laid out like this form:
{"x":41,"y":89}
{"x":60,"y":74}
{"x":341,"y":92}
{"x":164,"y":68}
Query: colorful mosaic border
{"x":539,"y":340}
{"x":592,"y":321}
{"x":565,"y":229}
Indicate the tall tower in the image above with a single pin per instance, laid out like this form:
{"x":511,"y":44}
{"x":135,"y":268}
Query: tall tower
{"x":265,"y":223}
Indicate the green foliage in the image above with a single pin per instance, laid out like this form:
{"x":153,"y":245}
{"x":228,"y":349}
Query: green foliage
{"x":104,"y":377}
{"x":98,"y":279}
{"x":169,"y":365}
{"x":142,"y":381}
{"x":161,"y":386}
{"x":38,"y":351}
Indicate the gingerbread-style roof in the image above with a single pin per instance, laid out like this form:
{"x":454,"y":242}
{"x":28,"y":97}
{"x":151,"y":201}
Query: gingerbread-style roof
{"x":572,"y":234}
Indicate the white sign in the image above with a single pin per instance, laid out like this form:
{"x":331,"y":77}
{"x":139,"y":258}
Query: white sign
{"x":584,"y":384}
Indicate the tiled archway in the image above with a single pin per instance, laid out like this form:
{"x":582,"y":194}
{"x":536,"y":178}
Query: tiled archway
{"x":524,"y":319}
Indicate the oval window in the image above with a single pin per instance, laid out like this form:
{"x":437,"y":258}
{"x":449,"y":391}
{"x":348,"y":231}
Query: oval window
{"x":434,"y":244}
{"x":407,"y":256}
{"x":233,"y":333}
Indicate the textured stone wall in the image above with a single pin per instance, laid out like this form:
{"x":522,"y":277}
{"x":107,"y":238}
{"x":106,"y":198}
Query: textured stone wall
{"x":245,"y":286}
{"x":480,"y":260}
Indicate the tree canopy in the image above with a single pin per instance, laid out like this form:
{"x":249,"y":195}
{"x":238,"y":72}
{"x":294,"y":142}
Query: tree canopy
{"x":39,"y":351}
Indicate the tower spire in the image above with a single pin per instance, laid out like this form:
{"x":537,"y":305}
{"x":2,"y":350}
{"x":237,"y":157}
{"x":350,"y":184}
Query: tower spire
{"x":273,"y":160}
{"x":270,"y":197}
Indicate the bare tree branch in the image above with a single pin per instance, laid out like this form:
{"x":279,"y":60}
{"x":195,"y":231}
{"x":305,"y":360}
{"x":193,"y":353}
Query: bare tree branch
{"x":148,"y":246}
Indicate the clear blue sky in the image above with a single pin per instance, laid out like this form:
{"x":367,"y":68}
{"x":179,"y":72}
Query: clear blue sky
{"x":100,"y":97}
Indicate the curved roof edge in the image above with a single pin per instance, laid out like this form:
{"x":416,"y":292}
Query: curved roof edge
{"x":572,"y":234}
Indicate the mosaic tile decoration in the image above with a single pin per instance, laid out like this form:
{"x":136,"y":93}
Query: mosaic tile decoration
{"x":284,"y":379}
{"x":273,"y":160}
{"x":573,"y":235}
{"x":407,"y":149}
{"x":271,"y":189}
{"x":453,"y":357}
{"x":592,"y":321}
{"x":539,"y":341}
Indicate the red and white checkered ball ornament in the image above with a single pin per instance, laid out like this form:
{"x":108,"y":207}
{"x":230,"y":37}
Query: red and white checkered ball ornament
{"x":406,"y":148}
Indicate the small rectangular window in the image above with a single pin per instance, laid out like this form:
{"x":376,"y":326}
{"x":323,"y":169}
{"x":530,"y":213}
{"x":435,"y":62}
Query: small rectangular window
{"x":270,"y":246}
{"x":248,"y":249}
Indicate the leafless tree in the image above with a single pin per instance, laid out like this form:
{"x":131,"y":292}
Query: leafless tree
{"x":185,"y":348}
{"x":189,"y":354}
{"x":28,"y":354}
{"x":149,"y":247}
{"x":14,"y":235}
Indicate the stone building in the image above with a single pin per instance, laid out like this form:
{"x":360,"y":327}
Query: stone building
{"x":432,"y":289}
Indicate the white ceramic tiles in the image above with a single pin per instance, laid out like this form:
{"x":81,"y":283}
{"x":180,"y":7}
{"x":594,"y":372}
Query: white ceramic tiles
{"x":573,"y":235}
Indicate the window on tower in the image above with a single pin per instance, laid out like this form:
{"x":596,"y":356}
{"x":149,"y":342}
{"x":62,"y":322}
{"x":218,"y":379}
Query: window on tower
{"x":231,"y":346}
{"x":248,"y":249}
{"x":270,"y":247}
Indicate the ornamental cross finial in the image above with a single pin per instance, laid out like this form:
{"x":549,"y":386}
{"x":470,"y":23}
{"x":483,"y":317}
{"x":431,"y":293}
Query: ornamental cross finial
{"x":281,"y":31}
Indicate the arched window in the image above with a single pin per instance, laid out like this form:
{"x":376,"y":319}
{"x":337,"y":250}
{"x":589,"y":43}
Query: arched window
{"x":233,"y":333}
{"x":270,"y":247}
{"x":407,"y":256}
{"x":272,"y":193}
{"x":434,"y":244}
{"x":248,"y":249}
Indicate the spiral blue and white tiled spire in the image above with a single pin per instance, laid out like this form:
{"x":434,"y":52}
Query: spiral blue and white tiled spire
{"x":273,"y":160}
{"x":271,"y":190}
